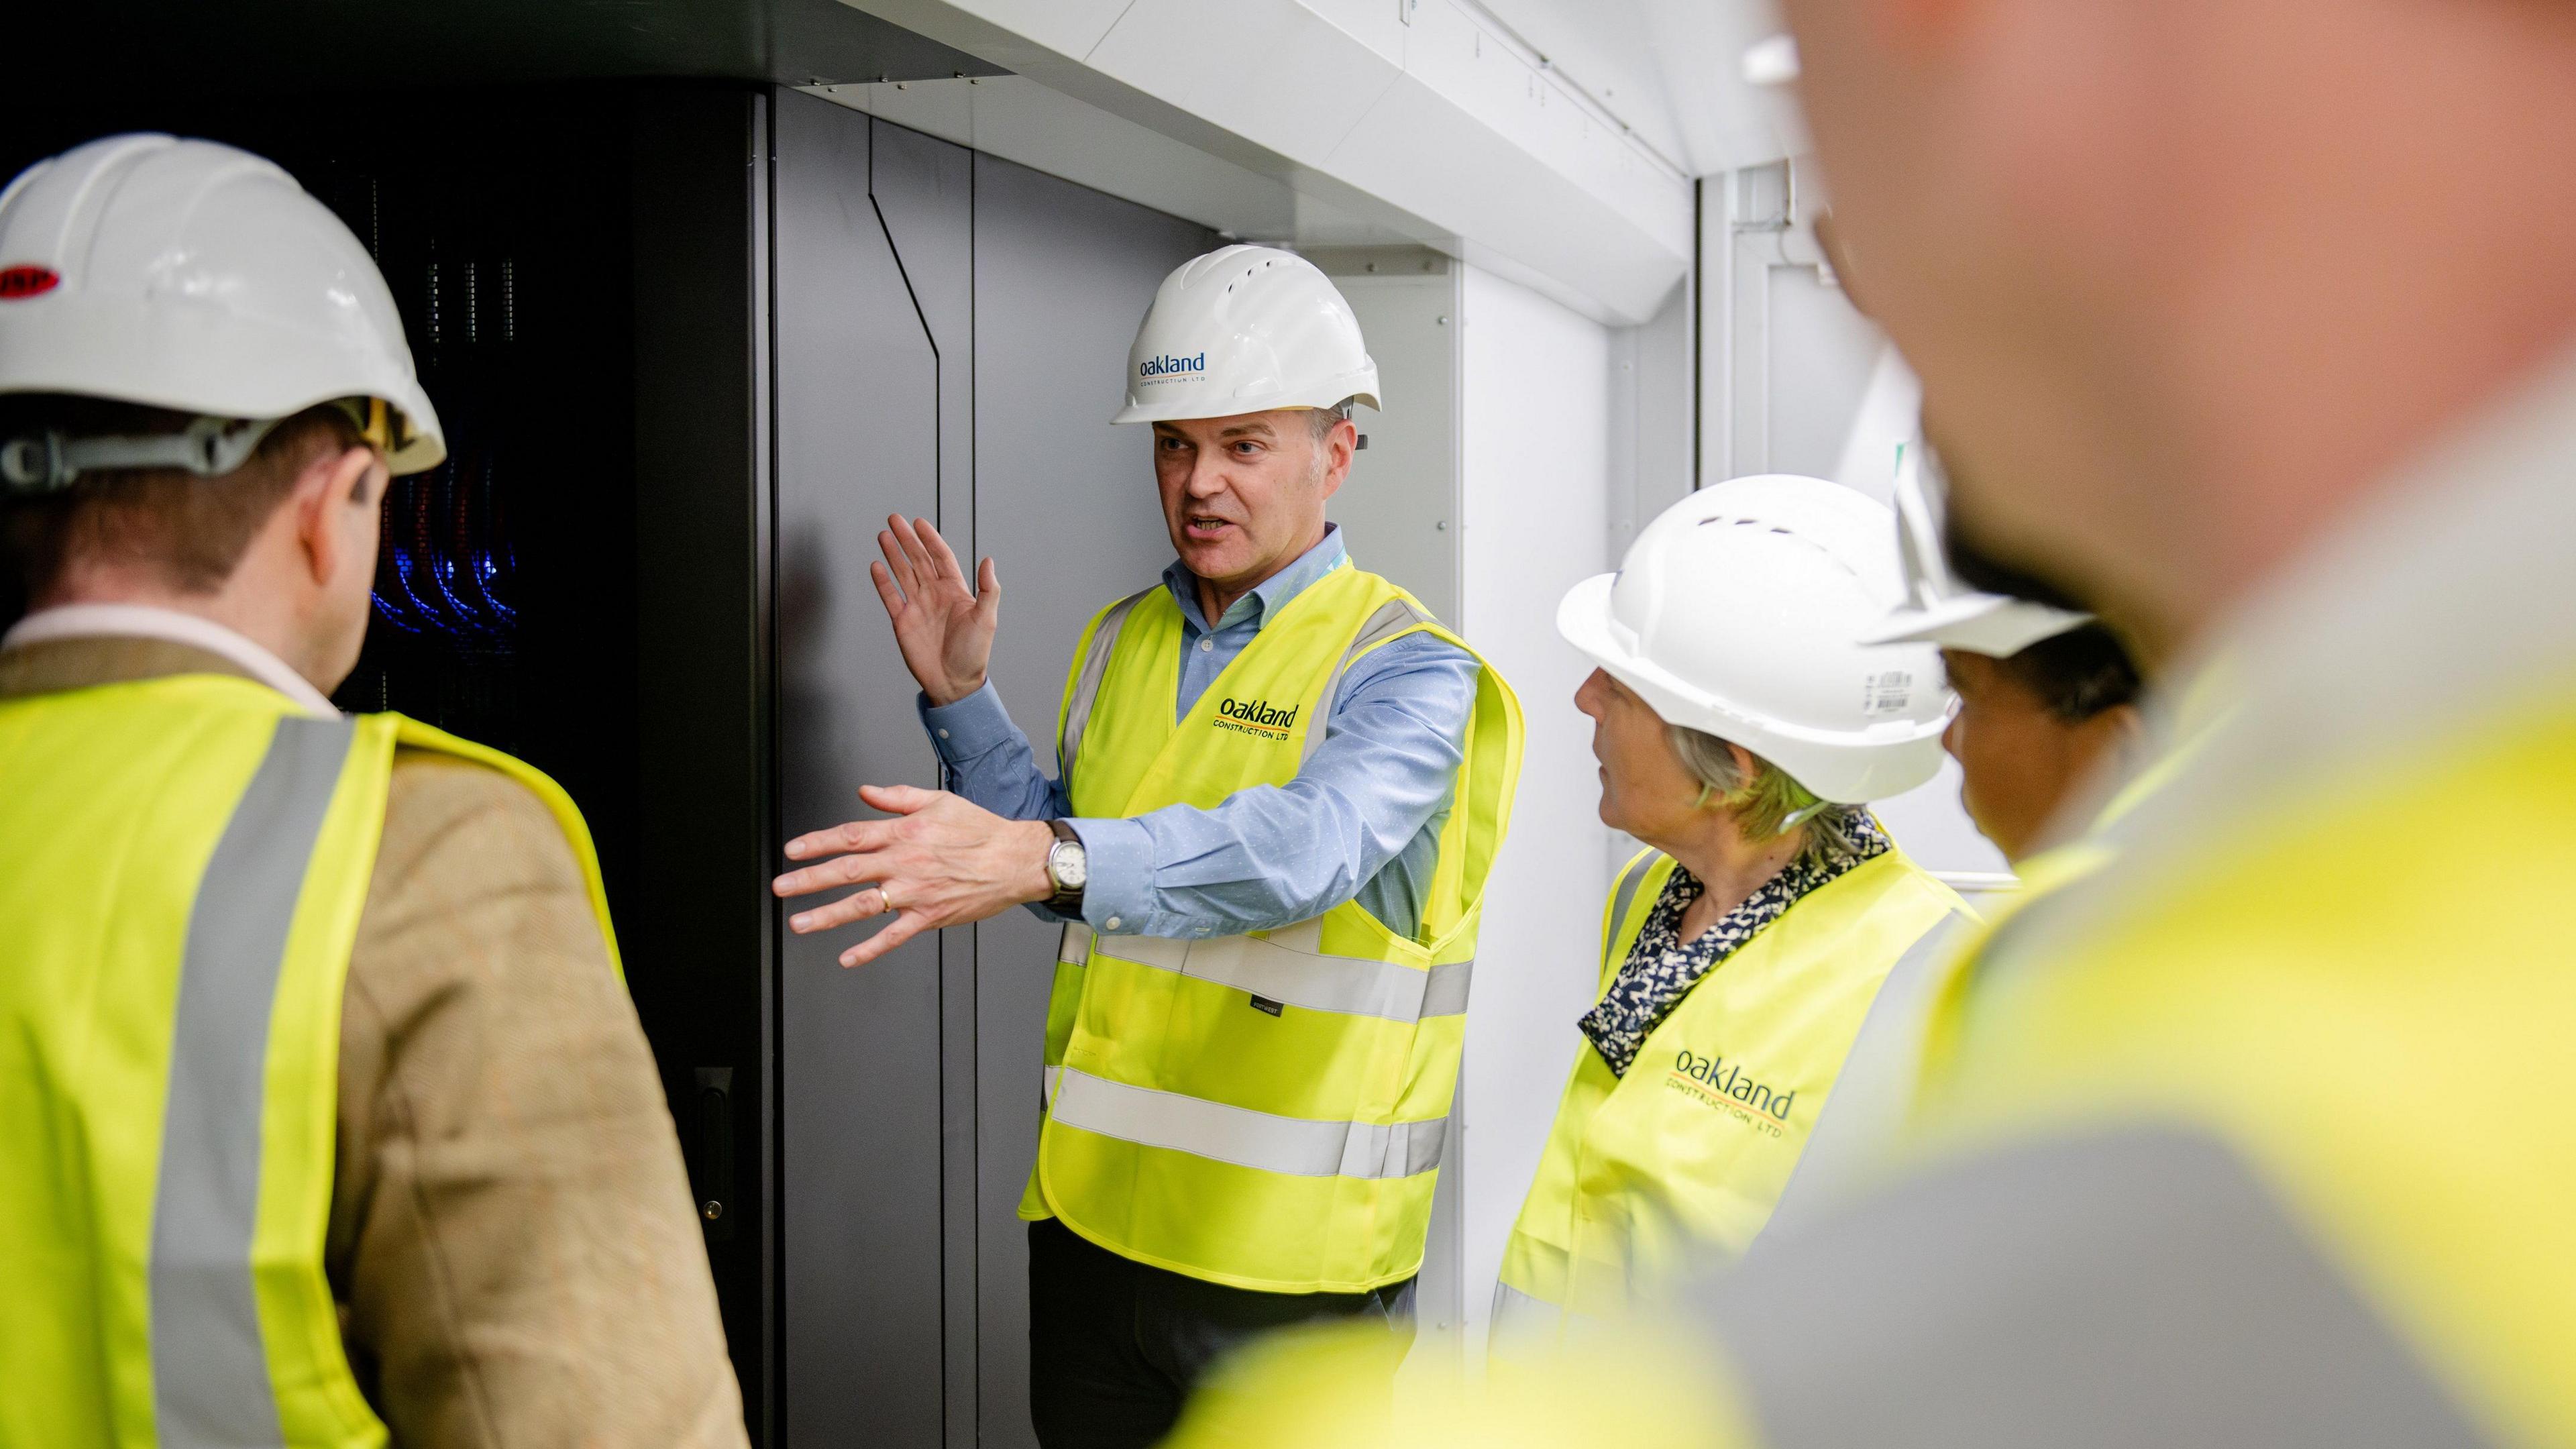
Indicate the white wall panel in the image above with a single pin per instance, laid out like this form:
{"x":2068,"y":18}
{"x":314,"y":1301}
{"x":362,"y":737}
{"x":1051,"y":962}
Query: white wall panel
{"x":1535,"y":430}
{"x":1399,"y":507}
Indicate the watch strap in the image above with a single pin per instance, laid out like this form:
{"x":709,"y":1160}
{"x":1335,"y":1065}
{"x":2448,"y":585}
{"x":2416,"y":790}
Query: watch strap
{"x":1066,"y":903}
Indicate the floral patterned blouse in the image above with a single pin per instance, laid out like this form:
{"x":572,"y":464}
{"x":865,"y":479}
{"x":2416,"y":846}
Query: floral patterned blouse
{"x":1662,"y":968}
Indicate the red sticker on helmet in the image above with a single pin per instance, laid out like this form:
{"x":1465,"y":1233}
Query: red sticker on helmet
{"x":27,"y":281}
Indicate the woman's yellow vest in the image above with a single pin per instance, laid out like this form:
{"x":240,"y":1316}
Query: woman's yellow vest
{"x":1263,"y":1110}
{"x":1690,"y":1149}
{"x":182,"y":866}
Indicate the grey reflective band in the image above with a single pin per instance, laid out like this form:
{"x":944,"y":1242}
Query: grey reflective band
{"x":49,"y":462}
{"x":210,"y":1381}
{"x":1291,"y":1146}
{"x":1392,"y":618}
{"x":1276,"y":970}
{"x":2136,"y":1289}
{"x":1086,"y":685}
{"x":1625,"y":896}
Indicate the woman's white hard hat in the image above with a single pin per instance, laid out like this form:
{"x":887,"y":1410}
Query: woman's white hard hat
{"x":1938,"y":609}
{"x":1245,"y":329}
{"x":193,"y":276}
{"x":1740,"y":612}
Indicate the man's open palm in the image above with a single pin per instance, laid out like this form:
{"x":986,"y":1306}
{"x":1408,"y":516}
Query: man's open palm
{"x":944,"y":627}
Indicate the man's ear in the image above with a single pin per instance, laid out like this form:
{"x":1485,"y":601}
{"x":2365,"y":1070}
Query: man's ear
{"x":331,"y":490}
{"x":1340,"y":446}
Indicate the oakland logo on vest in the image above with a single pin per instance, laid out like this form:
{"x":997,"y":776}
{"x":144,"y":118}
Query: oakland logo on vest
{"x":1257,"y":717}
{"x":1718,"y":1082}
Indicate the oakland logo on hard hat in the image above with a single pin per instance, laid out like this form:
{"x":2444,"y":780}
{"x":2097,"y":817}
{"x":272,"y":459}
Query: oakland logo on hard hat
{"x":1165,"y":367}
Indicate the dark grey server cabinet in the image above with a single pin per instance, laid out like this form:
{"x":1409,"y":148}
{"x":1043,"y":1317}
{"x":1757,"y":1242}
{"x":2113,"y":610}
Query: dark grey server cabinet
{"x":901,"y":325}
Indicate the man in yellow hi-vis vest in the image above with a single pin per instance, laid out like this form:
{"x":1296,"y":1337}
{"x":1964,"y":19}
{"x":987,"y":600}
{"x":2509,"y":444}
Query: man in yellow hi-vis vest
{"x":2264,"y":1133}
{"x":1280,"y":787}
{"x":324,"y":1119}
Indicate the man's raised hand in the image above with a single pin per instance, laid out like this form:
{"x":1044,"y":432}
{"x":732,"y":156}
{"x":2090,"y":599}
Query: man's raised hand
{"x":944,"y":627}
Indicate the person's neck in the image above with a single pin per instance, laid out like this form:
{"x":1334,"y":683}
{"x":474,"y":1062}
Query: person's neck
{"x":1728,"y":867}
{"x":253,"y":614}
{"x":1217,"y":596}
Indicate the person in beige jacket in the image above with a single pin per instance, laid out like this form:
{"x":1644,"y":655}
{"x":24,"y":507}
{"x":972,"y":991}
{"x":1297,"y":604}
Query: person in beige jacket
{"x":511,"y":1241}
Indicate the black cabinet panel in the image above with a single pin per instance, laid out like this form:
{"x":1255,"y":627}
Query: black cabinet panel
{"x":857,"y":389}
{"x":1065,"y":504}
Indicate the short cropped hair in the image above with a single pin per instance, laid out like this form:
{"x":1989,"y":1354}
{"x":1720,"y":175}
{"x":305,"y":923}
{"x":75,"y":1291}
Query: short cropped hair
{"x":189,"y":530}
{"x":1323,"y":420}
{"x":2077,"y":674}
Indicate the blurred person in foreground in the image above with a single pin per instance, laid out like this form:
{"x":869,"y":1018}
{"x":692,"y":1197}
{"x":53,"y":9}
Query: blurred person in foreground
{"x":2255,"y":323}
{"x":324,"y":1116}
{"x":2048,"y":729}
{"x":1741,"y":728}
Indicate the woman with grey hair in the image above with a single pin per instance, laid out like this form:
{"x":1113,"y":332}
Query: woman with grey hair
{"x":1741,"y":727}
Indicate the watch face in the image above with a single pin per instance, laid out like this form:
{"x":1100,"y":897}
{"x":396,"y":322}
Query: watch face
{"x":1069,"y":864}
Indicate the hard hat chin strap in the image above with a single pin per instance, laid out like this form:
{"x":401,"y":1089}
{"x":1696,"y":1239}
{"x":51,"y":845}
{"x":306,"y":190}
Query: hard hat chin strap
{"x":49,"y":462}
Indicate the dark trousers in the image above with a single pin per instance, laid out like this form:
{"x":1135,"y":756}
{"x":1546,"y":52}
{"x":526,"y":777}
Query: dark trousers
{"x":1115,"y":1346}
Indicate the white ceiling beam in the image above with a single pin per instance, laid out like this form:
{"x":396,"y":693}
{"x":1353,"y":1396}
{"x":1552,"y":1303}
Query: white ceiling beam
{"x":1388,"y":120}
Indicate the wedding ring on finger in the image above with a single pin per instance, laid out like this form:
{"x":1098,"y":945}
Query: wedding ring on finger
{"x":886,"y":895}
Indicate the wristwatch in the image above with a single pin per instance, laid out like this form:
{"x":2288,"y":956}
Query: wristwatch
{"x":1068,"y":869}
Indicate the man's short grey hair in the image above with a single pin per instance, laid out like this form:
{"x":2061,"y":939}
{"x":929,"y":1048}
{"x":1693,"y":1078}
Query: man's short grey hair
{"x":1324,"y":420}
{"x":1768,"y":803}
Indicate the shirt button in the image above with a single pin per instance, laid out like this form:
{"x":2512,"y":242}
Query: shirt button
{"x":1207,"y":646}
{"x":943,"y":734}
{"x":1111,"y":924}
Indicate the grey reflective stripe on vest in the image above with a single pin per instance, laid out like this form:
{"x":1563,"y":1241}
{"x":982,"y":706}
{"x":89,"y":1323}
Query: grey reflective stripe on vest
{"x":2137,"y":1289}
{"x":210,"y":1382}
{"x":1277,"y":970}
{"x":1623,"y":896}
{"x":1086,"y":685}
{"x":1392,"y":618}
{"x":1294,"y":1146}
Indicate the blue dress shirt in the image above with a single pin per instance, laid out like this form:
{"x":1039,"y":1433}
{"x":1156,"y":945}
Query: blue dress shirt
{"x":1361,"y":820}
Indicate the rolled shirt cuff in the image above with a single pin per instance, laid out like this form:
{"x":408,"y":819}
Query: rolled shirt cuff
{"x":1118,"y":898}
{"x":972,"y":727}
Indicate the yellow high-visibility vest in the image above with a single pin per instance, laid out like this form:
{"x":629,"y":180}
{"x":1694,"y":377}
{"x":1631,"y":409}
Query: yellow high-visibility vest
{"x":2364,"y":992}
{"x":1689,"y":1150}
{"x":183,"y":862}
{"x":1263,"y":1110}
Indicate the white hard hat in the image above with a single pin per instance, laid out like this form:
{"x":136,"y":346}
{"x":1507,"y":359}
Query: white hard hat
{"x":193,"y":276}
{"x":1739,"y":612}
{"x":1938,"y":609}
{"x":1245,"y":329}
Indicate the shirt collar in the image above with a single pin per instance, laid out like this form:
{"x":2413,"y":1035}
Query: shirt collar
{"x":142,"y":621}
{"x":1269,"y":596}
